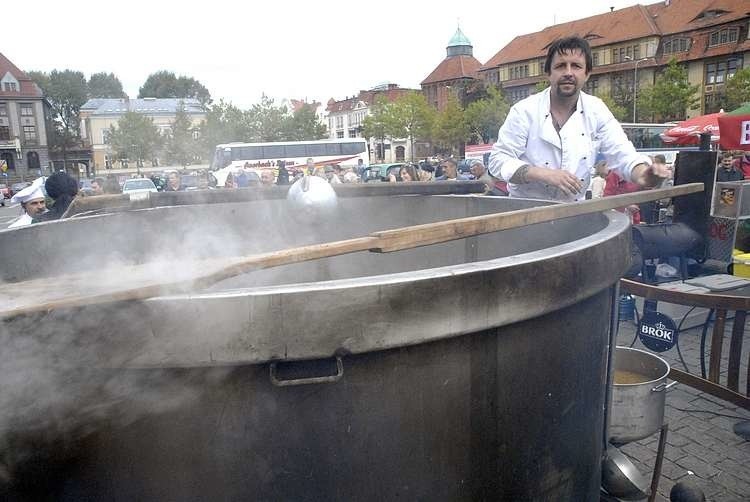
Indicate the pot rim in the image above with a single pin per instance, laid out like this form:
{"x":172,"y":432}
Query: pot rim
{"x":647,"y":382}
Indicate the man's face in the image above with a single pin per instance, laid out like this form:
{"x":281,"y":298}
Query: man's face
{"x":568,"y":73}
{"x":35,"y":207}
{"x":449,"y":170}
{"x":97,"y":188}
{"x":726,"y":163}
{"x":477,"y":169}
{"x":174,"y":181}
{"x":266,"y":177}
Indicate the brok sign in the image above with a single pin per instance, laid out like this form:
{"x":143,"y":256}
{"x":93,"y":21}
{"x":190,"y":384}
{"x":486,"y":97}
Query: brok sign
{"x":657,"y":332}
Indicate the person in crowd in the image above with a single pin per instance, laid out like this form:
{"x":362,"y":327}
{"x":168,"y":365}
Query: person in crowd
{"x":309,"y":166}
{"x":111,"y":185}
{"x":320,"y":172}
{"x":450,"y":171}
{"x":615,"y":184}
{"x":599,"y":181}
{"x":547,"y":145}
{"x":427,"y":172}
{"x":229,"y":182}
{"x":494,"y":186}
{"x":408,"y":173}
{"x":742,"y":164}
{"x":283,"y":176}
{"x":351,"y":177}
{"x":33,"y":203}
{"x":331,"y":176}
{"x":62,"y":188}
{"x":97,"y":186}
{"x":360,"y":170}
{"x":174,"y":184}
{"x":727,"y":170}
{"x":266,"y":177}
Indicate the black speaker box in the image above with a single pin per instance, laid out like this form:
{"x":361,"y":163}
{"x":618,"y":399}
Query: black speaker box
{"x":695,"y":167}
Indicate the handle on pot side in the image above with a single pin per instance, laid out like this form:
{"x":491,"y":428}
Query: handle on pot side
{"x":663,"y":386}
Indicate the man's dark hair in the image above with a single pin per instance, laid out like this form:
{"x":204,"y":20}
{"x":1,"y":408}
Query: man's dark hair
{"x":568,"y":44}
{"x":660,"y":158}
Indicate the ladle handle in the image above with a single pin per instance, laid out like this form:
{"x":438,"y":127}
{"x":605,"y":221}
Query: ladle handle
{"x":443,"y":231}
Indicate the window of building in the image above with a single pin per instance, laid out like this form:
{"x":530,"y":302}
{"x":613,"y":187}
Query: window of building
{"x":352,"y":133}
{"x":3,"y":110}
{"x":4,"y":133}
{"x":32,"y":160}
{"x":595,"y":58}
{"x":27,"y":110}
{"x":628,"y":53}
{"x":718,"y":72}
{"x":680,"y":44}
{"x":339,"y":122}
{"x":105,"y":137}
{"x":196,"y":134}
{"x":518,"y":94}
{"x":592,"y":86}
{"x":10,"y":87}
{"x":339,"y":134}
{"x":725,"y":36}
{"x":29,"y":133}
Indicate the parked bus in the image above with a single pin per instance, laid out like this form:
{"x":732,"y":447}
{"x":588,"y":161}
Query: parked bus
{"x":294,"y":154}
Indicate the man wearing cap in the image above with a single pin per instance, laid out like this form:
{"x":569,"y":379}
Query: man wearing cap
{"x":494,"y":186}
{"x":548,"y":144}
{"x":32,"y":201}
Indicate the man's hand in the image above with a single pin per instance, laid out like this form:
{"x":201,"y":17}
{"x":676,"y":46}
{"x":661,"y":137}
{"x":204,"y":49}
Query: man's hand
{"x":565,"y":181}
{"x":644,"y":176}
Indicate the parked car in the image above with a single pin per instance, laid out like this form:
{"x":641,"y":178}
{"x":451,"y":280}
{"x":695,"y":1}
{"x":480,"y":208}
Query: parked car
{"x":17,"y":187}
{"x":138,"y":185}
{"x":380,"y":172}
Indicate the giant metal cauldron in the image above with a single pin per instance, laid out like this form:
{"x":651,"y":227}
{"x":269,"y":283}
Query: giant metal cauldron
{"x":471,"y":370}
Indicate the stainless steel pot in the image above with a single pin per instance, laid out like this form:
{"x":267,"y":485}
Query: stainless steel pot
{"x":638,"y":408}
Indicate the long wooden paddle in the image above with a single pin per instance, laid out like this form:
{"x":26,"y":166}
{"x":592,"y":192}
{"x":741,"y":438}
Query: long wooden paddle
{"x":144,"y":281}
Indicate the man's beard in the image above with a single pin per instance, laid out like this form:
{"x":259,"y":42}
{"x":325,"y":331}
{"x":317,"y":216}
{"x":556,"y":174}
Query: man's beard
{"x":566,"y":94}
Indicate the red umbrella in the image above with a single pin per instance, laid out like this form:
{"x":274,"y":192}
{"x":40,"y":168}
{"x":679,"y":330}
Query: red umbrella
{"x":688,"y":131}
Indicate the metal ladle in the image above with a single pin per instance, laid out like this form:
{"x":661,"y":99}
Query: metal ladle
{"x":313,"y":199}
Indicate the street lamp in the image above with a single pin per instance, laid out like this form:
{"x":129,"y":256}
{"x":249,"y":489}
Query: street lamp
{"x":635,"y":82}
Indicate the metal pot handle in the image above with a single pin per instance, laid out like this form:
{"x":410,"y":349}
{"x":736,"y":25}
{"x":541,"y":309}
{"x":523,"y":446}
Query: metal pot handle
{"x":283,"y":382}
{"x":662,"y":386}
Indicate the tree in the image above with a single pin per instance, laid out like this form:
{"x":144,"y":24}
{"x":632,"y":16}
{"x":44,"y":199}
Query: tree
{"x":165,"y":84}
{"x":737,"y":90}
{"x":135,"y":137}
{"x":620,"y":112}
{"x":66,"y":91}
{"x":541,"y":85}
{"x":451,"y":130}
{"x":224,"y":123}
{"x":410,"y":116}
{"x":304,"y":125}
{"x":105,"y":85}
{"x":484,"y":117}
{"x":181,"y":145}
{"x":670,"y":96}
{"x":266,"y":120}
{"x":378,"y":123}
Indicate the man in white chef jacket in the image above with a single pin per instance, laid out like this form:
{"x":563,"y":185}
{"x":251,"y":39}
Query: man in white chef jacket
{"x":549,"y":142}
{"x":32,"y":201}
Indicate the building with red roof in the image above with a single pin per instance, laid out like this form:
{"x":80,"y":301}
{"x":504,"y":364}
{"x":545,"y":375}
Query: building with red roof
{"x":710,"y":37}
{"x":454,"y":73}
{"x":23,"y":133}
{"x":346,"y":116}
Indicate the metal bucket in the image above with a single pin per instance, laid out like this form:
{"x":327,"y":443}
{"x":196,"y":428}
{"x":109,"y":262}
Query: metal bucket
{"x":638,"y":408}
{"x":470,"y":370}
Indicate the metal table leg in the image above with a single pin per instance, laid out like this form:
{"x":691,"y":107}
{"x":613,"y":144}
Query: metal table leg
{"x":659,"y":462}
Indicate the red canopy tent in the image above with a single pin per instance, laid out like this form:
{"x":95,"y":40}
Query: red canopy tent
{"x":735,"y":129}
{"x":688,"y":131}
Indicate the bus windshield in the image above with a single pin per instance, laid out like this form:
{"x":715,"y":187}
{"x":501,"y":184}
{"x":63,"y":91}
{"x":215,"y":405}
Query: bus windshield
{"x":292,"y":154}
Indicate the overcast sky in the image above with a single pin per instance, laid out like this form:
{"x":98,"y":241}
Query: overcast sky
{"x":285,"y":49}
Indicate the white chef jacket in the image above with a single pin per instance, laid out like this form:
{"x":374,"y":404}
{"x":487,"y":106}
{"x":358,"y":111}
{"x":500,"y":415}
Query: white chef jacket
{"x":21,"y":221}
{"x":528,"y":136}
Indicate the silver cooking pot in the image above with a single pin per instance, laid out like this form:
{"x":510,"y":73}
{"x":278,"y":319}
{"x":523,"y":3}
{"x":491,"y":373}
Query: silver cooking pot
{"x":638,"y":408}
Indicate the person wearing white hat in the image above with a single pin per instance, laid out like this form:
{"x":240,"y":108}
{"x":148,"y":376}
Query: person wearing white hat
{"x":32,"y":201}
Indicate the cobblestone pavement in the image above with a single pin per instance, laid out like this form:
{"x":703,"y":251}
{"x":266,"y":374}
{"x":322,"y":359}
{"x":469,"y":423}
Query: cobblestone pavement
{"x":701,"y":444}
